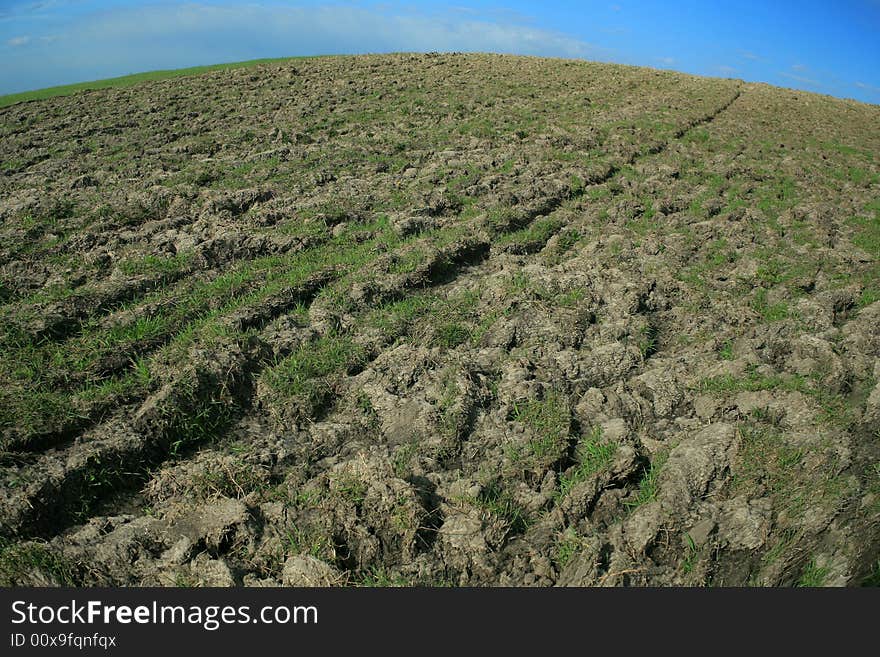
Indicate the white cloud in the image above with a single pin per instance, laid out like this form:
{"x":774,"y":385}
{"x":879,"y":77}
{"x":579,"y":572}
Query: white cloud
{"x":30,"y":9}
{"x":666,"y":61}
{"x":18,"y":41}
{"x":727,"y":70}
{"x":350,"y":28}
{"x":749,"y":55}
{"x":802,"y":79}
{"x":165,"y":35}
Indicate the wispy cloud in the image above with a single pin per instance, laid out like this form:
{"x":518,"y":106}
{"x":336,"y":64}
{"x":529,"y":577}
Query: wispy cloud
{"x":746,"y":54}
{"x":802,"y":79}
{"x":799,"y":67}
{"x":867,"y":87}
{"x":349,"y":27}
{"x":666,"y":61}
{"x":124,"y":40}
{"x":18,"y":41}
{"x":30,"y":7}
{"x":726,"y":70}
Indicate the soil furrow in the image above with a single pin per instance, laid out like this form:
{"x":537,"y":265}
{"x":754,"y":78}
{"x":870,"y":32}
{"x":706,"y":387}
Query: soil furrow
{"x":536,"y":323}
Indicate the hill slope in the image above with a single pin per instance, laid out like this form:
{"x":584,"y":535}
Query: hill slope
{"x":440,"y":319}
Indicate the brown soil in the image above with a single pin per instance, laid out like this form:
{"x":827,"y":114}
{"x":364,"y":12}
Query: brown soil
{"x":440,"y":319}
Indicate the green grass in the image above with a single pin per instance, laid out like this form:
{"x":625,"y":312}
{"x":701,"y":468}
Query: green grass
{"x":549,"y":418}
{"x":647,"y":491}
{"x":306,"y":377}
{"x":725,"y":352}
{"x":351,"y":488}
{"x":700,"y":136}
{"x":720,"y":253}
{"x":200,"y":418}
{"x":754,"y":382}
{"x":867,"y":231}
{"x":848,"y":150}
{"x":873,"y":579}
{"x":767,"y":458}
{"x":568,"y":546}
{"x":799,"y":476}
{"x":813,"y":576}
{"x":535,"y":235}
{"x":645,"y":222}
{"x":691,"y":554}
{"x":769,"y":312}
{"x":235,"y":480}
{"x":426,"y":317}
{"x":866,"y":236}
{"x":394,"y":318}
{"x":333,"y":289}
{"x":832,"y":408}
{"x":130,"y":80}
{"x":451,"y":417}
{"x":21,"y":562}
{"x":779,"y":195}
{"x":48,"y":379}
{"x":451,"y":334}
{"x":381,"y":577}
{"x":646,"y":340}
{"x":301,"y":542}
{"x":567,"y":239}
{"x":500,"y":503}
{"x":407,"y":262}
{"x":592,"y":455}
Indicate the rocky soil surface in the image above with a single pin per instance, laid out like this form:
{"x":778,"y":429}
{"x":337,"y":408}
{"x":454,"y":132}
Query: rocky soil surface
{"x":440,"y":320}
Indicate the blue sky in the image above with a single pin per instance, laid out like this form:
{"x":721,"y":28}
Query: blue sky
{"x":830,"y":47}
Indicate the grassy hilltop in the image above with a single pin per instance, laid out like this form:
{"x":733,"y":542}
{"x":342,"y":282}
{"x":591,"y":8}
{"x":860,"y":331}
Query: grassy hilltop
{"x":439,"y":319}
